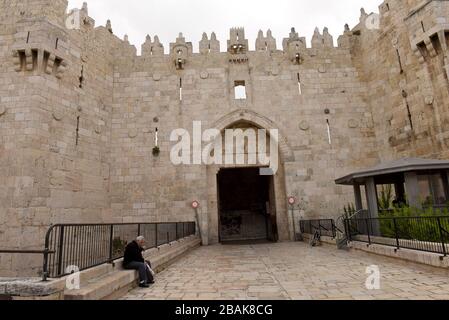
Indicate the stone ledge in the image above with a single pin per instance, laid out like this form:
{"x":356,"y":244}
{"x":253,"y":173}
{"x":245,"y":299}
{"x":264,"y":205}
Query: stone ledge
{"x":27,"y":287}
{"x":421,"y":257}
{"x":119,"y":281}
{"x":100,"y":282}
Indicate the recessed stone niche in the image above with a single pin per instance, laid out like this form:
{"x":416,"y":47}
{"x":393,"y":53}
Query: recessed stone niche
{"x":204,"y":75}
{"x":322,"y":69}
{"x":157,"y":77}
{"x":429,"y":100}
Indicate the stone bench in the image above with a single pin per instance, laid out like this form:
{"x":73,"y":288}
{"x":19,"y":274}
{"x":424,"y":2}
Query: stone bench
{"x":104,"y":282}
{"x":118,"y":281}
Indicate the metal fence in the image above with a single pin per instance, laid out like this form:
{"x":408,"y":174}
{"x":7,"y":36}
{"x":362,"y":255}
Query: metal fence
{"x":83,"y":246}
{"x":325,"y":227}
{"x":430,"y":234}
{"x":77,"y":247}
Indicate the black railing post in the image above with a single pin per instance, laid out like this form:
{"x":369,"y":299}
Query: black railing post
{"x":367,"y":229}
{"x":168,"y":237}
{"x":334,"y":229}
{"x":345,"y":225}
{"x":111,"y":239}
{"x":442,"y":236}
{"x":319,"y":228}
{"x":61,"y":249}
{"x":396,"y":232}
{"x":45,"y":272}
{"x":157,"y":243}
{"x":45,"y":267}
{"x":138,"y":230}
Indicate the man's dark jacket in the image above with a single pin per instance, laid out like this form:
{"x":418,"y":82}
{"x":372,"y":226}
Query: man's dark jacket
{"x":133,"y":253}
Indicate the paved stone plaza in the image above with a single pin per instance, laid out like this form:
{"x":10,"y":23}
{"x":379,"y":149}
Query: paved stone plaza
{"x":291,"y":271}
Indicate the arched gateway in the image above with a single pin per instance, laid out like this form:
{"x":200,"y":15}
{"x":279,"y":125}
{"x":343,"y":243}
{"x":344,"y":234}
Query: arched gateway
{"x":244,"y":205}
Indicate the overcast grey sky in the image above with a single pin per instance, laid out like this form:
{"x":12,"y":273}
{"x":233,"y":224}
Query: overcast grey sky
{"x":166,"y":18}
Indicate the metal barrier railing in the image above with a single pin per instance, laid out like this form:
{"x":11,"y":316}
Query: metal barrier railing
{"x":70,"y":247}
{"x":430,"y":234}
{"x":325,"y":227}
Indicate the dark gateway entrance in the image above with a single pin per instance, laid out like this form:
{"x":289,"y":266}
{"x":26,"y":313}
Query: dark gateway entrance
{"x":246,"y":205}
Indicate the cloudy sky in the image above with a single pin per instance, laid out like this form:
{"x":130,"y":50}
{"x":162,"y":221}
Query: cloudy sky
{"x":166,"y":18}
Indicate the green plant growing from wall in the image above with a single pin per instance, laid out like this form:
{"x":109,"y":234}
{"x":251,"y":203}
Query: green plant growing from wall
{"x":156,"y":151}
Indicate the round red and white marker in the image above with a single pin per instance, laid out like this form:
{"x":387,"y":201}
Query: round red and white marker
{"x":195,"y":204}
{"x":291,"y":200}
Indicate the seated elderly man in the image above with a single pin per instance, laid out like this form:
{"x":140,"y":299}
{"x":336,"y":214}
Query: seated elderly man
{"x":133,"y":260}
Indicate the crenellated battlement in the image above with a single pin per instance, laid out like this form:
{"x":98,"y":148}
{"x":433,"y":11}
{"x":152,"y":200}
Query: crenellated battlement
{"x":82,"y":114}
{"x":239,"y":44}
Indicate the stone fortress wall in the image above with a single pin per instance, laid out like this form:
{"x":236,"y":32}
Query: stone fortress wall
{"x":79,"y":110}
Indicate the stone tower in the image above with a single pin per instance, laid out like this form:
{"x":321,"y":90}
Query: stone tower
{"x":80,"y":113}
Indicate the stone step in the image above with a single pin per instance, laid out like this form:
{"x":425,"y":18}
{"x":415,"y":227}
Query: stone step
{"x":117,"y":282}
{"x":103,"y":287}
{"x":96,"y":273}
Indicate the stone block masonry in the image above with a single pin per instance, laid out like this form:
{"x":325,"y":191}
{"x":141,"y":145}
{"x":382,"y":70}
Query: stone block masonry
{"x":79,"y":112}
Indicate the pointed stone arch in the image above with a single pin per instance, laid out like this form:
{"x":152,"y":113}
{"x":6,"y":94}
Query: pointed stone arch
{"x":260,"y":121}
{"x":279,"y":212}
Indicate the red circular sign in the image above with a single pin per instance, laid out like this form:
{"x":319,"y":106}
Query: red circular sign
{"x":195,"y":204}
{"x":292,"y":200}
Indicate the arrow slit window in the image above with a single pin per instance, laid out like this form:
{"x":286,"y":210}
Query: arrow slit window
{"x":299,"y":85}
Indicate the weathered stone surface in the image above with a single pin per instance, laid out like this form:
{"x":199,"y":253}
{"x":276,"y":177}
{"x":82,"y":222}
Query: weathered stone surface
{"x":95,"y":163}
{"x":272,"y":272}
{"x":26,"y":287}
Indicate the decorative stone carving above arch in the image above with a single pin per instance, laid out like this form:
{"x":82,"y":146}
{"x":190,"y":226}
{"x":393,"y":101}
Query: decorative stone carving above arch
{"x":304,"y":125}
{"x":260,"y":121}
{"x":429,"y":100}
{"x":58,"y":115}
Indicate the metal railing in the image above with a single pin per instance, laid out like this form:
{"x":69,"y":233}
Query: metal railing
{"x":430,"y":234}
{"x":325,"y":227}
{"x":77,"y":247}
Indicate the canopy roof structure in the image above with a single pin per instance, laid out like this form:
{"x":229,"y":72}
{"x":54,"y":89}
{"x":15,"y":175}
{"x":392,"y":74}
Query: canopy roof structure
{"x":394,"y":167}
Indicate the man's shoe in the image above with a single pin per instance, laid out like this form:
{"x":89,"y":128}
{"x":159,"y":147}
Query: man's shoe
{"x":144,"y":285}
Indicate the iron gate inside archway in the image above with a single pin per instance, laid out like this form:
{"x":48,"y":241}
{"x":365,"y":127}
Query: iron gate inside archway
{"x":245,"y":205}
